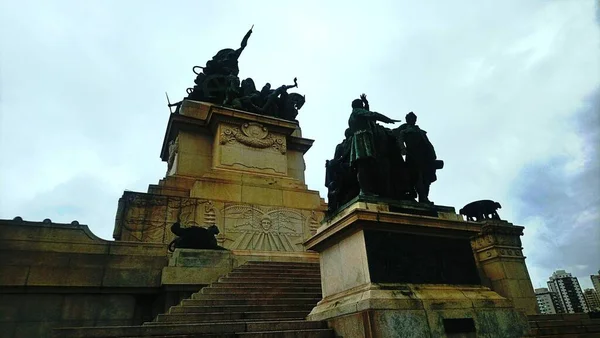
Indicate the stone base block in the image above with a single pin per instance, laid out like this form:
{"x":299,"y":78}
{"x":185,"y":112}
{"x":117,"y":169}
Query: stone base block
{"x":199,"y":267}
{"x":412,"y":310}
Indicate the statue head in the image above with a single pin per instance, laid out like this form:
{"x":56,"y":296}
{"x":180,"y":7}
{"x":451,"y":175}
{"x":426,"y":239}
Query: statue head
{"x":411,"y":118}
{"x":348,"y":133}
{"x":223,"y":54}
{"x":248,"y":86}
{"x":357,"y":103}
{"x":266,"y":224}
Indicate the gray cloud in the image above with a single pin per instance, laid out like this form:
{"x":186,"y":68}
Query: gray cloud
{"x":82,"y":108}
{"x":559,"y":201}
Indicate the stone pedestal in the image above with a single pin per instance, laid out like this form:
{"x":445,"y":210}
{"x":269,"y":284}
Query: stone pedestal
{"x":400,"y":269}
{"x":240,"y":171}
{"x":196,"y":267}
{"x":500,"y":257}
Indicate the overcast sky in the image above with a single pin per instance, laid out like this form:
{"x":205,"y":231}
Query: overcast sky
{"x":508,"y":91}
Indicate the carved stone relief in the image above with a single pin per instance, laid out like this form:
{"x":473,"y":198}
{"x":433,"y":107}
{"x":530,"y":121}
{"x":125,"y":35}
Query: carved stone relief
{"x":252,"y":147}
{"x":173,"y":151}
{"x":253,"y":135}
{"x":262,"y":228}
{"x":148,"y":218}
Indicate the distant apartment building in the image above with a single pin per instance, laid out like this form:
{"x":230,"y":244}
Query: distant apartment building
{"x":568,"y":291}
{"x":596,"y":281}
{"x":548,"y":301}
{"x":592,"y":299}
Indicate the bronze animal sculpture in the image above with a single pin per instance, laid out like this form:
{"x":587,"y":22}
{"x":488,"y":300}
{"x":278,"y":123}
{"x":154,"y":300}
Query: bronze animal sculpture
{"x":194,"y":237}
{"x":480,"y":210}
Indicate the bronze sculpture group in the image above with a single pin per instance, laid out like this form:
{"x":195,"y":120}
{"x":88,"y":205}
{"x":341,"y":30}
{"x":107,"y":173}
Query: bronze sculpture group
{"x":218,"y":83}
{"x":372,"y":160}
{"x":377,"y":161}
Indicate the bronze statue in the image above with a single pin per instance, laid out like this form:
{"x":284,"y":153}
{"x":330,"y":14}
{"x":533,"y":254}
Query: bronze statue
{"x":362,"y":125}
{"x":421,"y":159}
{"x":480,"y":210}
{"x":214,"y":82}
{"x":218,"y":83}
{"x":370,"y":161}
{"x":340,"y":177}
{"x":225,"y":62}
{"x":194,"y":237}
{"x":279,"y":103}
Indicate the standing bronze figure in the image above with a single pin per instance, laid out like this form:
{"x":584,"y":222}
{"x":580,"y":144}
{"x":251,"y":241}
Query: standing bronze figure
{"x":421,"y":159}
{"x":362,"y":125}
{"x":370,"y":161}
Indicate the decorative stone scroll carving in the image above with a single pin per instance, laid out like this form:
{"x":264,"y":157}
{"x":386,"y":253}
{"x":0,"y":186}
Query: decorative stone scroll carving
{"x":253,"y":135}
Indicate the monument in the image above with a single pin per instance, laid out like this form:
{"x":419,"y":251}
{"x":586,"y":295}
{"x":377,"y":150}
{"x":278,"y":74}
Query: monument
{"x":395,"y":267}
{"x":392,"y":263}
{"x":235,"y":160}
{"x":234,"y":181}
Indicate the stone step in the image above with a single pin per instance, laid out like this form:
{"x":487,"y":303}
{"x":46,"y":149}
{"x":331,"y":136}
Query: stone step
{"x":240,"y":308}
{"x":256,"y":295}
{"x":236,"y":291}
{"x":293,"y":264}
{"x":300,"y":280}
{"x":206,"y":300}
{"x":315,"y":333}
{"x":575,"y":335}
{"x":566,"y":330}
{"x":560,"y":323}
{"x":267,"y":286}
{"x":215,"y":317}
{"x":312,"y":333}
{"x":191,"y":330}
{"x":273,"y":274}
{"x":560,"y":316}
{"x":268,"y":269}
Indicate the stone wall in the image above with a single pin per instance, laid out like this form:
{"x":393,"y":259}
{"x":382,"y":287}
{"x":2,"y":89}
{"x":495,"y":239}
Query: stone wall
{"x":281,"y":227}
{"x":58,"y":275}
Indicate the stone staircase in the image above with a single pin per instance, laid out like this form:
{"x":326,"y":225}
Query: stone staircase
{"x":578,"y":325}
{"x":255,"y":300}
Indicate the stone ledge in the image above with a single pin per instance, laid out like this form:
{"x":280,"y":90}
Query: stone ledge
{"x":363,"y":215}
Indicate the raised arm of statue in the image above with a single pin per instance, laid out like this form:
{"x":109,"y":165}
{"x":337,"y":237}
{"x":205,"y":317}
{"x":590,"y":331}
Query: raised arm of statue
{"x":383,"y":118}
{"x":363,"y":97}
{"x":295,"y":85}
{"x":244,"y":42}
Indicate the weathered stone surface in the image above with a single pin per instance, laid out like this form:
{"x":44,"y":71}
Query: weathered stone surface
{"x":200,"y":258}
{"x":499,"y":253}
{"x":73,"y":279}
{"x":146,"y":218}
{"x":247,"y":309}
{"x":359,"y":307}
{"x":391,"y":324}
